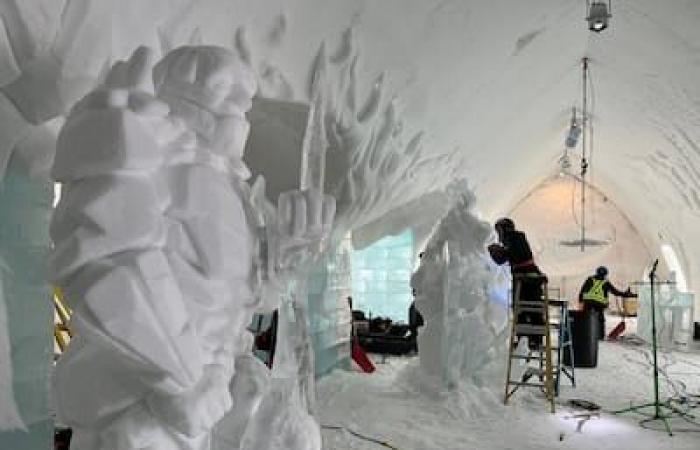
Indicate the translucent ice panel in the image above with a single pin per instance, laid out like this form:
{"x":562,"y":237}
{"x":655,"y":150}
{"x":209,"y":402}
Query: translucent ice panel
{"x":329,"y":313}
{"x":673,"y":311}
{"x":381,"y":275}
{"x":25,"y":206}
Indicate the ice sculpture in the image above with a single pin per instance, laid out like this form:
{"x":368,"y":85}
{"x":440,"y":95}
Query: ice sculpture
{"x":30,"y":99}
{"x":673,"y":314}
{"x":460,"y":295}
{"x":158,"y":249}
{"x":373,"y":164}
{"x":9,"y":415}
{"x":381,"y":276}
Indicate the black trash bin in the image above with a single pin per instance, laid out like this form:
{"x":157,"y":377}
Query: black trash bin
{"x":584,"y":336}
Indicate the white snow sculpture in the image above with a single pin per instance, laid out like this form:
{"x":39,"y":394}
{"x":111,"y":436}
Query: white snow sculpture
{"x":373,"y":164}
{"x":460,"y":295}
{"x":155,"y":248}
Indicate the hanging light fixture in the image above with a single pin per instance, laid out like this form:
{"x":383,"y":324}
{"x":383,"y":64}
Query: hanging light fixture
{"x":584,"y":130}
{"x":599,"y":13}
{"x":574,"y":131}
{"x":564,"y":164}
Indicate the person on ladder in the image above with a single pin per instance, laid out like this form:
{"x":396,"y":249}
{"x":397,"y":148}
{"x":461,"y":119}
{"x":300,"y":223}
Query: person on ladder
{"x":594,"y":296}
{"x":514,"y":249}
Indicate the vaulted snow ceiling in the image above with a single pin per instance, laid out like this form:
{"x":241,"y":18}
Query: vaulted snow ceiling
{"x":491,"y":81}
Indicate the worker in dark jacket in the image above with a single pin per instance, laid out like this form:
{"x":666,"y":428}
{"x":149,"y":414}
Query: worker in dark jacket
{"x":415,"y":321}
{"x":514,"y":249}
{"x":594,"y":295}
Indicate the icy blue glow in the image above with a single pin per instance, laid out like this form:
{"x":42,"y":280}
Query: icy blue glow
{"x":329,"y":311}
{"x":25,"y":207}
{"x":381,"y":275}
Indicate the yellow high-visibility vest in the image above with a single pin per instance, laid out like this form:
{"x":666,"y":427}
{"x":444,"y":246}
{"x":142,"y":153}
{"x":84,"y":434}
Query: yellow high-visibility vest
{"x":596,"y":292}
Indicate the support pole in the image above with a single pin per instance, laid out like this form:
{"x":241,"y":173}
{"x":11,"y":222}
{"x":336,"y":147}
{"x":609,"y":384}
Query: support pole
{"x":584,"y":162}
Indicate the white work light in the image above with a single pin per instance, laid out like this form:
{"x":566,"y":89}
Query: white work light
{"x":574,"y":132}
{"x":598,"y":15}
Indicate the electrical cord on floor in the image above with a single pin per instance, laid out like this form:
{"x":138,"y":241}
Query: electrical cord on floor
{"x":361,"y":436}
{"x":682,"y":402}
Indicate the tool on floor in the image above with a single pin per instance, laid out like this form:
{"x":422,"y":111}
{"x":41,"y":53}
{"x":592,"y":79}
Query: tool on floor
{"x":620,"y":327}
{"x":357,"y":353}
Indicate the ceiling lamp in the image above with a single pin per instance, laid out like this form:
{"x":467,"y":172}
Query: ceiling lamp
{"x":586,"y":242}
{"x":598,"y":14}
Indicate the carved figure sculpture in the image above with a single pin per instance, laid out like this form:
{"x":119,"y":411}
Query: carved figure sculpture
{"x":156,"y":249}
{"x":458,"y":294}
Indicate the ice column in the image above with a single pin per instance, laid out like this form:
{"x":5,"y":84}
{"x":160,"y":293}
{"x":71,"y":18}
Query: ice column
{"x":329,"y":286}
{"x":25,"y":338}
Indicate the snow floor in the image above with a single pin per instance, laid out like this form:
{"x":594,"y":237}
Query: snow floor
{"x":387,"y":406}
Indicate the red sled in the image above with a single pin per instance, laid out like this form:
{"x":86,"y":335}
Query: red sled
{"x":620,"y":327}
{"x":360,"y":357}
{"x":617,"y":331}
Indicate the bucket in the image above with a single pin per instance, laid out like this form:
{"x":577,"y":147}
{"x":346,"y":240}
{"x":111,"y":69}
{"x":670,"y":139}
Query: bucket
{"x":630,"y":306}
{"x":584,"y":336}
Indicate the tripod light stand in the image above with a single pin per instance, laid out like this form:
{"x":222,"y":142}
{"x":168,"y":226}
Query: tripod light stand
{"x":657,"y":405}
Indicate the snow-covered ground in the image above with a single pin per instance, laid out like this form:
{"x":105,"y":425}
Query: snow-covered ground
{"x":388,"y":407}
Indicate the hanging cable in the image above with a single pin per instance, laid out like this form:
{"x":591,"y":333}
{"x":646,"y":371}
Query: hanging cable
{"x":584,"y":163}
{"x":574,"y":184}
{"x":683,"y":402}
{"x":591,"y":135}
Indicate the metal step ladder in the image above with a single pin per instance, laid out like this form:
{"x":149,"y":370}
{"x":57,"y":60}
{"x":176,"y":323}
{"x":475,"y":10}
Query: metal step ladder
{"x":562,"y":325}
{"x":537,"y":307}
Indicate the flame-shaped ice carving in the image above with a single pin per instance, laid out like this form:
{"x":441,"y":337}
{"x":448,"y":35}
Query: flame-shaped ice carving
{"x":372,"y":167}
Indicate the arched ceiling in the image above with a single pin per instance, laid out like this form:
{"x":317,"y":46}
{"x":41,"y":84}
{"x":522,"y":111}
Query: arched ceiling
{"x":492,"y":80}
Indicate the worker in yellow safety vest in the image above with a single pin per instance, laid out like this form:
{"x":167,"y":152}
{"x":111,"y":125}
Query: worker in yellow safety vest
{"x":594,"y":295}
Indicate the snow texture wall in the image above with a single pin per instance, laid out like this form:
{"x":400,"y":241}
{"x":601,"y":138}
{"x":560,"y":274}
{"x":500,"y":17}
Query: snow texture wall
{"x":504,"y":94}
{"x":491,"y":83}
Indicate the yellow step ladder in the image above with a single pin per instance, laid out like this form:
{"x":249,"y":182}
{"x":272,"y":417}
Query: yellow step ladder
{"x":61,"y":331}
{"x":534,"y":307}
